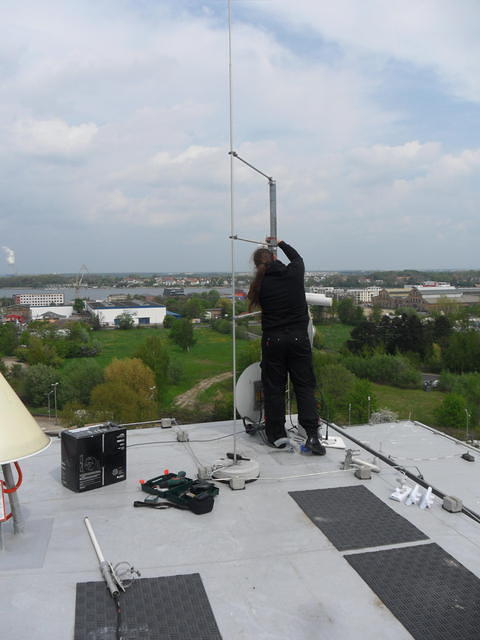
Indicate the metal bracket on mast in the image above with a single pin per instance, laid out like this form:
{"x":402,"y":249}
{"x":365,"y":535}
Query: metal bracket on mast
{"x":246,"y":240}
{"x":272,"y":185}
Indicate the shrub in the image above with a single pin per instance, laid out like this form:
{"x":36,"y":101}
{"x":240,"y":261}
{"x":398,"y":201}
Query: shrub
{"x":385,"y":369}
{"x":451,"y":413}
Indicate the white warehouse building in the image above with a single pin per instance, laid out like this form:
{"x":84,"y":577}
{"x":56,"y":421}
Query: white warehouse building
{"x":143,"y":313}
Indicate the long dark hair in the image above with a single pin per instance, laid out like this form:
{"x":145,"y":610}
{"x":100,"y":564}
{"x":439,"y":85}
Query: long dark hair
{"x":261,"y":258}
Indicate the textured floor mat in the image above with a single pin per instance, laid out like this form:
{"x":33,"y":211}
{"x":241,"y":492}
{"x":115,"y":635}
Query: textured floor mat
{"x":353,"y":518}
{"x":167,"y":608}
{"x":434,"y":596}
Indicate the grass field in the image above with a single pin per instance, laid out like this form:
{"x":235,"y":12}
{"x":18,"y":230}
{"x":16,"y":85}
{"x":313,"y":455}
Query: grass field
{"x":414,"y":404}
{"x":211,"y":355}
{"x":333,"y":336}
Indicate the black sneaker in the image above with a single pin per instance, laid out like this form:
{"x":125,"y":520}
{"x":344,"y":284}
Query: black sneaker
{"x":316,"y":447}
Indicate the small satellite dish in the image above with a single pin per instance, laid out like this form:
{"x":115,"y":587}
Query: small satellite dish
{"x":249,"y":397}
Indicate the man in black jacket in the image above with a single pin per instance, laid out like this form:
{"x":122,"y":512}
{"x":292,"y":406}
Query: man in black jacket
{"x":279,"y":291}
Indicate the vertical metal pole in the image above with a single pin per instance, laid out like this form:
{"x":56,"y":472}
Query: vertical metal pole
{"x":55,"y":399}
{"x":273,"y":210}
{"x":232,"y":232}
{"x":18,"y":524}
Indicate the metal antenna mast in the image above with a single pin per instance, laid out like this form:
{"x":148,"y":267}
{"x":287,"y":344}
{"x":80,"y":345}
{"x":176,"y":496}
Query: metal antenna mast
{"x":240,"y":467}
{"x":232,"y":231}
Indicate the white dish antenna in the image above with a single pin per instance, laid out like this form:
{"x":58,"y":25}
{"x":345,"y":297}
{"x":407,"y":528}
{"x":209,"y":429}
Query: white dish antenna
{"x":248,"y":393}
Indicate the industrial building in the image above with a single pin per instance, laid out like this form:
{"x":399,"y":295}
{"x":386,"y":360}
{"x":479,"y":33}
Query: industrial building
{"x":143,"y":313}
{"x":40,"y":299}
{"x":51,"y":313}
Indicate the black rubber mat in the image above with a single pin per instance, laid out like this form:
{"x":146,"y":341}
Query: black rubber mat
{"x":434,"y":596}
{"x":167,"y":608}
{"x":353,"y":518}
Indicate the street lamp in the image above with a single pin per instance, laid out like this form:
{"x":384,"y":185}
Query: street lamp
{"x":48,"y":397}
{"x":55,"y":385}
{"x":368,"y":408}
{"x":349,"y":413}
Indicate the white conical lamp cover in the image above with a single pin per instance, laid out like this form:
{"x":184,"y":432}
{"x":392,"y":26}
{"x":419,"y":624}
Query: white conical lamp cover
{"x":20,"y":435}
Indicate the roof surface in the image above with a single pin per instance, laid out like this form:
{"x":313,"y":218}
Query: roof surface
{"x":128,"y":304}
{"x":268,"y":571}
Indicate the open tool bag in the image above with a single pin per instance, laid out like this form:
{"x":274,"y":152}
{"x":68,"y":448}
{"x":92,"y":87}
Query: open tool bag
{"x":176,"y":490}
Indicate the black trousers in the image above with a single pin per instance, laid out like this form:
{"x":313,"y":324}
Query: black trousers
{"x":283,"y":353}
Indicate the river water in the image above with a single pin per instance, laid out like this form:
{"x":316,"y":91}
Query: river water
{"x":92,"y":293}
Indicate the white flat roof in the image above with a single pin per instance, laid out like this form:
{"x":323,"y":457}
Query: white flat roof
{"x":268,"y":571}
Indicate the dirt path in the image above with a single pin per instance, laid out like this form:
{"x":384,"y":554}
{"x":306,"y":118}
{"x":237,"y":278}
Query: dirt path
{"x":9,"y":361}
{"x":188,"y":398}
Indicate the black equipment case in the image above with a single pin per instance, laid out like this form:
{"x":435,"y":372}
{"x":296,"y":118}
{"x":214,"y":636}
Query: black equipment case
{"x":94,"y":456}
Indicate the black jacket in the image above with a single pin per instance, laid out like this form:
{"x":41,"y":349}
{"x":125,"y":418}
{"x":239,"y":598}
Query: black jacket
{"x":282,"y":294}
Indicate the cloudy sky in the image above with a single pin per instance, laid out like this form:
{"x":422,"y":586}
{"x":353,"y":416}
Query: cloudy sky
{"x":114,"y":133}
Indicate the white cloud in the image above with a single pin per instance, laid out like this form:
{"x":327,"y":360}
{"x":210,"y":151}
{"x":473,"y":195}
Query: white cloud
{"x":53,"y":137}
{"x":441,"y":36}
{"x":143,"y":95}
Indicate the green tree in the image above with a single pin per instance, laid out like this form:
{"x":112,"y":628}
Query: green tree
{"x":79,"y":343}
{"x":376,"y":314}
{"x":116,"y":401}
{"x":78,"y":305}
{"x":346,"y":311}
{"x":8,"y":339}
{"x":124,"y":321}
{"x":212,"y":298}
{"x":155,"y":354}
{"x":38,"y":382}
{"x":442,"y":329}
{"x":385,"y":369}
{"x":79,"y":380}
{"x":39,"y":352}
{"x":193,"y":308}
{"x":127,"y":395}
{"x":364,"y":338}
{"x":182,"y":334}
{"x":169,"y":321}
{"x":250,"y":353}
{"x":451,"y":413}
{"x":462,"y":353}
{"x":226,"y":307}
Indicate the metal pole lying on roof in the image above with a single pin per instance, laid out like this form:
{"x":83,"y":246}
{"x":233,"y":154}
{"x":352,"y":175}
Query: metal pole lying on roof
{"x":113,"y":583}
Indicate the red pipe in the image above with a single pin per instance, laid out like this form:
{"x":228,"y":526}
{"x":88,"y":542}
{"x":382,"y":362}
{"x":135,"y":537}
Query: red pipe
{"x":19,"y":482}
{"x":9,"y":515}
